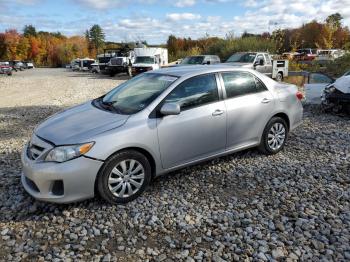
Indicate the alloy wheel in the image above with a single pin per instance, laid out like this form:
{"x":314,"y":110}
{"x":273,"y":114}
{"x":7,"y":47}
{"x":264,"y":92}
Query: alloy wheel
{"x":126,"y":178}
{"x":276,"y":136}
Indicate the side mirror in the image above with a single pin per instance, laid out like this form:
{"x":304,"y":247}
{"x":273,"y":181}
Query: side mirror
{"x":208,"y":62}
{"x":170,"y":109}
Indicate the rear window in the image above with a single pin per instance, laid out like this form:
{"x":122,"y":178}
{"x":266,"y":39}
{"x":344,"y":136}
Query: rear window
{"x":241,"y":83}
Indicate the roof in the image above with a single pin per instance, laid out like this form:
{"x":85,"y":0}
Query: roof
{"x":197,"y":69}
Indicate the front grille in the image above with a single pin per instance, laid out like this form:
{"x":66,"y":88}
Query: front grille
{"x":34,"y":151}
{"x":116,"y":61}
{"x":140,"y":69}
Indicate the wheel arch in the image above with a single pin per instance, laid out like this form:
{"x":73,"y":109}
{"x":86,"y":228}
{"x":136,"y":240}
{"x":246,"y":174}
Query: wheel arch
{"x":143,"y":151}
{"x":284,"y":116}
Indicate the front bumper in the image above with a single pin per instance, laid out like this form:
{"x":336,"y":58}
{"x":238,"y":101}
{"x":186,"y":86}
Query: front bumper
{"x":117,"y":68}
{"x":140,"y":70}
{"x":65,"y":182}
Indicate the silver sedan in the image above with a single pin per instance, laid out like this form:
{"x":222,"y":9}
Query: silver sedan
{"x":155,"y":123}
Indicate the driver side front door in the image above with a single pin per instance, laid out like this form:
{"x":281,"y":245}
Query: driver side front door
{"x":200,"y":129}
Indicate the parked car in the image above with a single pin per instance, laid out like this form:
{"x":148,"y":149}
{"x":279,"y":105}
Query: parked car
{"x":329,"y":54}
{"x":82,"y":64}
{"x":306,"y":54}
{"x":154,"y":123}
{"x":28,"y":65}
{"x":200,"y":60}
{"x":17,"y":65}
{"x":315,"y":85}
{"x":290,"y":55}
{"x":262,"y":62}
{"x":332,"y":94}
{"x":5,"y":68}
{"x":336,"y":96}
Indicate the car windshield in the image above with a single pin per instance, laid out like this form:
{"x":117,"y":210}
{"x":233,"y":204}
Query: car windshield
{"x":242,"y":58}
{"x":193,"y":60}
{"x":104,"y":59}
{"x":144,"y":60}
{"x":135,"y":94}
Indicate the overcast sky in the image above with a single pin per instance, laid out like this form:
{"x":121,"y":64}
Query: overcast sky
{"x":154,"y":21}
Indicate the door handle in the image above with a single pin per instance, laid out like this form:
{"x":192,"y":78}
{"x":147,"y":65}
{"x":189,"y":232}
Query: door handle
{"x":265,"y":101}
{"x":218,"y":112}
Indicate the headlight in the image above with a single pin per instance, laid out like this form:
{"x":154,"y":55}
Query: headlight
{"x":64,"y":153}
{"x":329,"y":88}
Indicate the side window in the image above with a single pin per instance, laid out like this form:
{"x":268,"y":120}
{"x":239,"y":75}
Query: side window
{"x":194,"y":92}
{"x":316,"y":78}
{"x":241,"y":83}
{"x":259,"y":57}
{"x":260,"y":86}
{"x":267,"y":59}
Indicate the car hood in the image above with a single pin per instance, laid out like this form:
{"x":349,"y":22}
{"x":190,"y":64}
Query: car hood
{"x":343,"y":84}
{"x":78,"y":124}
{"x":142,"y":65}
{"x":246,"y":65}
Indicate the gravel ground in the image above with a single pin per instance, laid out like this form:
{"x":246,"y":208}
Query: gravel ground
{"x":243,"y":207}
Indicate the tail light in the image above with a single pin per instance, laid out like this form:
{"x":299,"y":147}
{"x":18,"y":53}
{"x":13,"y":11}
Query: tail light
{"x":299,"y":95}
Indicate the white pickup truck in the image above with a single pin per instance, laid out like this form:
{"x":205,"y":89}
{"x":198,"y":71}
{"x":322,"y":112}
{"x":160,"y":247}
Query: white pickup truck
{"x":262,"y":62}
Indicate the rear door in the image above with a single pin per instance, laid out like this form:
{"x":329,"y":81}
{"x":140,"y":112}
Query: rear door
{"x":249,"y":105}
{"x":200,"y":129}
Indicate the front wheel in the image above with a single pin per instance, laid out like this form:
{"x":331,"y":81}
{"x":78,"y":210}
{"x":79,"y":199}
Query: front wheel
{"x":274,"y":136}
{"x":124,"y":177}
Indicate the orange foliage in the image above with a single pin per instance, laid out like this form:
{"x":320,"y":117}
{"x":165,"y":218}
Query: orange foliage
{"x":44,"y":49}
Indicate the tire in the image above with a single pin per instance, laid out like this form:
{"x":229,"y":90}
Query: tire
{"x":278,"y":128}
{"x":112,"y":171}
{"x":279,"y":77}
{"x":112,"y":74}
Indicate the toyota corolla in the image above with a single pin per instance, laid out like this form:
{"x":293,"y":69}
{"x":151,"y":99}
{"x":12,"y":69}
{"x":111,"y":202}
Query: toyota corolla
{"x":155,"y":123}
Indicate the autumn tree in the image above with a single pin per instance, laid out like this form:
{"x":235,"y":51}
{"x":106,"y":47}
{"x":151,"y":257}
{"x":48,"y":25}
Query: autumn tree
{"x":23,"y":48}
{"x":12,"y":38}
{"x":3,"y":48}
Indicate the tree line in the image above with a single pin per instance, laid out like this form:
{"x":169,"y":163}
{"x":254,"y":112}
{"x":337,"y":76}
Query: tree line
{"x":322,"y":35}
{"x":50,"y":49}
{"x":55,"y":49}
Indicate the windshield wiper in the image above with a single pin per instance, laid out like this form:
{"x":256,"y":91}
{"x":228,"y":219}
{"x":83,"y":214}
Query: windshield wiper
{"x":110,"y":106}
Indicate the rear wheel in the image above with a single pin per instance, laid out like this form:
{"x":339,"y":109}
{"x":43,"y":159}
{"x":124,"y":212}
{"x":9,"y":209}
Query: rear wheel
{"x":274,"y":136}
{"x":279,"y":77}
{"x":124,"y":177}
